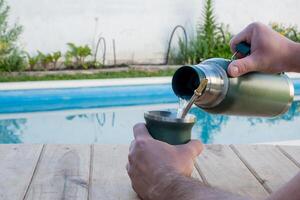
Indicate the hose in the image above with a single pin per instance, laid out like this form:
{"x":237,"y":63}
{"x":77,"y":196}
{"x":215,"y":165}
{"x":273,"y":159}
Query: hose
{"x":104,"y":50}
{"x":170,"y":42}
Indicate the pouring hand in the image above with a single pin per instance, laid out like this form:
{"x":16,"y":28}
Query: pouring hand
{"x":270,"y":51}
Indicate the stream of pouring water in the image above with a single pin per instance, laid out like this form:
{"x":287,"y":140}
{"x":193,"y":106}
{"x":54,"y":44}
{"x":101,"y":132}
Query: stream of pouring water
{"x":181,"y":105}
{"x":185,"y":106}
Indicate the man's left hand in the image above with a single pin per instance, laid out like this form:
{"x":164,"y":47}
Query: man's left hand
{"x":153,"y":164}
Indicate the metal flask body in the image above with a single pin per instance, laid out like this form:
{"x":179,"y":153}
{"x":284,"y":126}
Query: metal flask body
{"x":253,"y":94}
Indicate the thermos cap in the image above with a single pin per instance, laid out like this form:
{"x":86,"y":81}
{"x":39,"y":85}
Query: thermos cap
{"x":168,"y":116}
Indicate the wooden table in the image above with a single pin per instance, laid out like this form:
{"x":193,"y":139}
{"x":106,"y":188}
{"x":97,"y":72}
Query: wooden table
{"x":97,"y":172}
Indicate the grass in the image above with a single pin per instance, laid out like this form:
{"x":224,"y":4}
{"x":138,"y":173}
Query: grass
{"x":6,"y":77}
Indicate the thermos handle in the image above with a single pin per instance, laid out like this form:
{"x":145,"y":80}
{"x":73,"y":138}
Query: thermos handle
{"x":243,"y":48}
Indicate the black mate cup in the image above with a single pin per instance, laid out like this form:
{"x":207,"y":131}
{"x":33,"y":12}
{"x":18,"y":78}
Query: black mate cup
{"x":166,"y":127}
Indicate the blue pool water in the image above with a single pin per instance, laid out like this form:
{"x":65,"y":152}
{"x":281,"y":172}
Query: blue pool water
{"x":107,"y":114}
{"x":16,"y":101}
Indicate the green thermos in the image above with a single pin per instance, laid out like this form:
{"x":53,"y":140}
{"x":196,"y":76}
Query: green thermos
{"x":253,"y":94}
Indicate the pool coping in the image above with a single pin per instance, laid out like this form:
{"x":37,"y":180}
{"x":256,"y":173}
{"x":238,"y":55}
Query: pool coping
{"x":31,"y":85}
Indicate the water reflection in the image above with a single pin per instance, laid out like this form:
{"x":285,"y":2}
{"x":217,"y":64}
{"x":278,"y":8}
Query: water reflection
{"x":114,"y":126}
{"x":207,"y":124}
{"x":11,"y":130}
{"x":292,"y":113}
{"x":100,"y":121}
{"x":101,"y":118}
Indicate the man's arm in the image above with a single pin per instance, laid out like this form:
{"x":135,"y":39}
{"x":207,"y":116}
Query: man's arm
{"x":186,"y":188}
{"x":290,"y":191}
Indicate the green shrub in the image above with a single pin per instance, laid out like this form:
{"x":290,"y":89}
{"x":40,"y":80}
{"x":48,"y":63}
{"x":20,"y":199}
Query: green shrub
{"x":93,"y":64}
{"x":55,"y":57}
{"x":32,"y":61}
{"x":15,"y":61}
{"x":49,"y":60}
{"x":44,"y":60}
{"x":10,"y":55}
{"x":211,"y":40}
{"x":76,"y":56}
{"x":290,"y":32}
{"x":68,"y":61}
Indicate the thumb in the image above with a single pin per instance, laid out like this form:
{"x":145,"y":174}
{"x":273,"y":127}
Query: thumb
{"x":242,"y":66}
{"x":140,"y":131}
{"x":194,"y":147}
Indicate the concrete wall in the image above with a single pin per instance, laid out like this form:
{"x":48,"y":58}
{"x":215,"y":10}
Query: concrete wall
{"x":141,"y":28}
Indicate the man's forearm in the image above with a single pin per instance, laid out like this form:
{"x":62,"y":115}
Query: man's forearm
{"x":175,"y":186}
{"x":288,"y":191}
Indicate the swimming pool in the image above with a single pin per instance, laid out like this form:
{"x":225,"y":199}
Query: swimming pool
{"x":106,"y":115}
{"x":16,"y":101}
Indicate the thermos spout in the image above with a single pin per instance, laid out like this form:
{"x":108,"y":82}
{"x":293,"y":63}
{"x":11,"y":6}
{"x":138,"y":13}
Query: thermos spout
{"x":187,"y":78}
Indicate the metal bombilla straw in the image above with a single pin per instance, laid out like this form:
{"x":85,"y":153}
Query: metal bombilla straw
{"x":197,"y":93}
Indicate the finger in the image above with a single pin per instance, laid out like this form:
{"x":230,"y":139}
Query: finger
{"x":134,"y":188}
{"x":127,"y":167}
{"x":129,"y":170}
{"x":194,"y":147}
{"x":242,"y":66}
{"x":140,"y":131}
{"x":239,"y":55}
{"x":130,"y":159}
{"x":131,"y":146}
{"x":243,"y":36}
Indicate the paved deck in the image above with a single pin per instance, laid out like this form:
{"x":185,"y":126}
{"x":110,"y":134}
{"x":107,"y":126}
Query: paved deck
{"x":97,"y":172}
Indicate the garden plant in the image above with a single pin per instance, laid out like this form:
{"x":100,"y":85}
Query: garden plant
{"x":212,"y":39}
{"x":12,"y":58}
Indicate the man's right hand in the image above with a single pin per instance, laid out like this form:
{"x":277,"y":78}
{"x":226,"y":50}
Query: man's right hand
{"x":270,"y":51}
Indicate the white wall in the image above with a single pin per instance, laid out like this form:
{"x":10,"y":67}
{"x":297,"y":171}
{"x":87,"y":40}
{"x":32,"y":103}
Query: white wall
{"x":141,"y":28}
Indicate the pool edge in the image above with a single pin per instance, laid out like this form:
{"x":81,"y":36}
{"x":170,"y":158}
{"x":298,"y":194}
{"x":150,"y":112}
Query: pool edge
{"x":32,"y":85}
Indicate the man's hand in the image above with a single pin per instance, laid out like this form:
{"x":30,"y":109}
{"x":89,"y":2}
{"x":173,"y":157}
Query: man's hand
{"x":153,"y":165}
{"x":270,"y":51}
{"x":159,"y":171}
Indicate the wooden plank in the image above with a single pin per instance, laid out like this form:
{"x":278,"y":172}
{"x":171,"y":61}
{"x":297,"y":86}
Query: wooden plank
{"x":16,"y":169}
{"x":269,"y":165}
{"x":196,"y":174}
{"x":62,"y":173}
{"x":222,"y":168}
{"x":292,"y":152}
{"x":110,"y":180}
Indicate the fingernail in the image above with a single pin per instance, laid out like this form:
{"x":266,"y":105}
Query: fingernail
{"x":234,"y":70}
